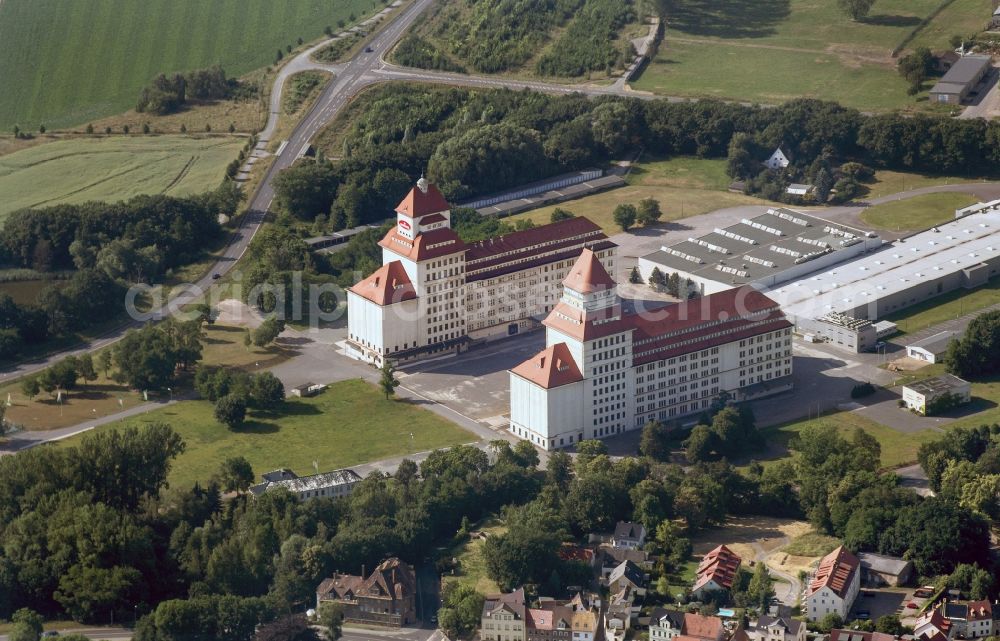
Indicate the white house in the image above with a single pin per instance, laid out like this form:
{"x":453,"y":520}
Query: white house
{"x":716,"y":572}
{"x":665,"y":624}
{"x":628,"y":535}
{"x":777,"y":629}
{"x":834,"y":586}
{"x":979,"y":622}
{"x":778,"y":160}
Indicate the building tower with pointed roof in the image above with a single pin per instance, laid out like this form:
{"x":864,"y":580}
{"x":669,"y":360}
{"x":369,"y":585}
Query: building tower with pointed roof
{"x":435,"y":293}
{"x":610,"y":366}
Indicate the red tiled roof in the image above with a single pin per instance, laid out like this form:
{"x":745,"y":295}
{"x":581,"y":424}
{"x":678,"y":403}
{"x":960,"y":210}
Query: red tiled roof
{"x":701,"y":627}
{"x":536,"y":239}
{"x":835,"y":571}
{"x":548,"y":619}
{"x":838,"y":634}
{"x":588,"y":275}
{"x":569,"y":552}
{"x":980,"y":610}
{"x":427,"y":245}
{"x":933,"y":618}
{"x":719,"y":565}
{"x":433,"y":218}
{"x":524,"y":261}
{"x":387,"y":285}
{"x":552,"y":367}
{"x":420,"y":203}
{"x":586,"y":326}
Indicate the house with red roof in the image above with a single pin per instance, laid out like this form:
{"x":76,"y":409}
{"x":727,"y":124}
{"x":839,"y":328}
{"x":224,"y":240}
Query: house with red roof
{"x":436,"y":293}
{"x":834,"y":586}
{"x":716,"y":572}
{"x":612,"y":365}
{"x":387,"y":597}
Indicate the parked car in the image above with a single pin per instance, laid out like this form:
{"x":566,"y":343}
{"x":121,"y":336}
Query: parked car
{"x":911,"y":605}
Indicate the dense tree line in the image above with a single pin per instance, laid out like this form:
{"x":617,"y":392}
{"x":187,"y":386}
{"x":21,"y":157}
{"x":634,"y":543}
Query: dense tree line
{"x":167,"y":94}
{"x":977,"y":351}
{"x":494,"y":35}
{"x":473,"y":142}
{"x":109,"y":246}
{"x":590,"y":41}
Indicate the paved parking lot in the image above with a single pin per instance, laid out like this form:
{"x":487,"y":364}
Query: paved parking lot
{"x":475,"y":383}
{"x":879,"y":603}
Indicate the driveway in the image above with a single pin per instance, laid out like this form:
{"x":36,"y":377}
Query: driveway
{"x":987,"y":103}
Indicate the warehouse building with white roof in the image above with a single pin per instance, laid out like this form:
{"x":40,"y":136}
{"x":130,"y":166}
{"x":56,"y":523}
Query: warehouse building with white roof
{"x":963,"y":253}
{"x":764,"y":251}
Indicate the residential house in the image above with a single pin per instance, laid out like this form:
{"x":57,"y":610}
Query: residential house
{"x":630,"y":536}
{"x":740,"y":633}
{"x":553,"y":624}
{"x":583,"y":622}
{"x":777,"y":629}
{"x":979,"y":622}
{"x":958,"y":614}
{"x":878,"y":570}
{"x":716,"y":572}
{"x":778,"y":160}
{"x":571,"y":552}
{"x":701,"y":627}
{"x":932,"y":625}
{"x":627,"y":575}
{"x":665,"y":624}
{"x":336,"y":484}
{"x":610,"y":558}
{"x":503,"y":617}
{"x":834,"y":586}
{"x":385,"y":598}
{"x":857,"y":635}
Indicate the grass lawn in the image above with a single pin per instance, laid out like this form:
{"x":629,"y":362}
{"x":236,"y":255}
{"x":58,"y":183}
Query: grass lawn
{"x":917,"y":213}
{"x":348,"y":424}
{"x":113,"y":169}
{"x":961,"y":17}
{"x":97,"y":54}
{"x":681,"y":581}
{"x":223,"y":345}
{"x":897,"y":448}
{"x":471,"y":563}
{"x":889,"y":182}
{"x":946,"y":306}
{"x":685,"y":186}
{"x":774,"y":50}
{"x":811,"y":544}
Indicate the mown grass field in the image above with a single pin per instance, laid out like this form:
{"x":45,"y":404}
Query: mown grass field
{"x":685,"y":186}
{"x":917,"y":213}
{"x":946,"y":307}
{"x":774,"y":50}
{"x":897,"y":448}
{"x":113,"y":168}
{"x":66,"y":63}
{"x":349,"y":423}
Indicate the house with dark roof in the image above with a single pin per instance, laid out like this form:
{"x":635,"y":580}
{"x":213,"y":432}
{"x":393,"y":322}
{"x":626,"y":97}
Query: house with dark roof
{"x":336,"y":484}
{"x":961,"y":79}
{"x":834,"y":585}
{"x":627,"y":575}
{"x":504,"y":617}
{"x":716,"y":572}
{"x":628,"y":535}
{"x":385,"y":598}
{"x":665,"y":624}
{"x":609,"y":558}
{"x":769,"y":628}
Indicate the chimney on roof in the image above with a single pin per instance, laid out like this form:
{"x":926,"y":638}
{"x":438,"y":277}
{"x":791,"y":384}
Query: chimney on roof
{"x":541,"y":361}
{"x":377,"y":278}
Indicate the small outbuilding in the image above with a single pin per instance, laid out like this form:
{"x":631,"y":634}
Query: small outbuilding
{"x":963,"y":76}
{"x":923,"y":396}
{"x":931,"y":349}
{"x":878,"y":570}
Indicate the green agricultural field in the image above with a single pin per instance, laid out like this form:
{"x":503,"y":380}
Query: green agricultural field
{"x":66,"y":63}
{"x":113,"y":169}
{"x":775,"y":50}
{"x":349,"y":423}
{"x":917,"y":213}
